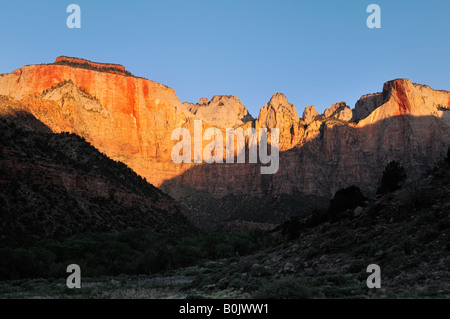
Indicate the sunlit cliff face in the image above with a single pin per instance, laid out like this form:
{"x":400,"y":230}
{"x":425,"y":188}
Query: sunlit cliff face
{"x":131,"y":119}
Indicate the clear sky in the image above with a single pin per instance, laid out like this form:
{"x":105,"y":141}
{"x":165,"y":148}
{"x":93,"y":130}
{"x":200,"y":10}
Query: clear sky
{"x":315,"y":52}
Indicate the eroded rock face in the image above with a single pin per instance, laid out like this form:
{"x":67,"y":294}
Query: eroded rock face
{"x":339,"y":111}
{"x":128,"y":118}
{"x":402,"y":97}
{"x":224,"y":111}
{"x":281,"y":114}
{"x":131,"y":120}
{"x":309,"y":114}
{"x":411,"y":127}
{"x":366,"y":105}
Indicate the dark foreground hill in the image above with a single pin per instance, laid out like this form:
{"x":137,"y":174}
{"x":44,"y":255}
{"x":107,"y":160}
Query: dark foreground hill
{"x":58,"y":185}
{"x":325,"y":255}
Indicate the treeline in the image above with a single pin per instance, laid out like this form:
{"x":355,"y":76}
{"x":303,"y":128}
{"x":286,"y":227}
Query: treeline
{"x":138,"y":251}
{"x":88,"y":66}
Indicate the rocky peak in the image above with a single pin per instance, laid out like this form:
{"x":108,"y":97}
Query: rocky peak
{"x":339,"y":111}
{"x":279,"y":112}
{"x":309,"y":114}
{"x":223,"y":111}
{"x":279,"y":99}
{"x":402,"y":97}
{"x":203,"y":101}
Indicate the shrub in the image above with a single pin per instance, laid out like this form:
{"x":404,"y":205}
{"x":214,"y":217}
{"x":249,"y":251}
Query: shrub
{"x":238,"y":283}
{"x":286,"y":288}
{"x":256,"y":284}
{"x":311,"y":252}
{"x":318,"y":216}
{"x":357,"y":266}
{"x":259,"y":271}
{"x":291,"y":228}
{"x":393,"y":176}
{"x":344,"y":199}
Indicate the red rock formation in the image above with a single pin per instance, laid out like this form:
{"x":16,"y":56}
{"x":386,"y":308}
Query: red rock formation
{"x":131,"y":120}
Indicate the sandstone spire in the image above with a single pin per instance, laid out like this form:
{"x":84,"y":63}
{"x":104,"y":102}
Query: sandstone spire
{"x":309,"y":114}
{"x":281,"y":114}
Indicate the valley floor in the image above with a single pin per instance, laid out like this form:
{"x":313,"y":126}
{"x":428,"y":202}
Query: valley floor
{"x":293,"y":269}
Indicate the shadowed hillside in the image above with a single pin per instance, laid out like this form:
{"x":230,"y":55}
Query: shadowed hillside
{"x":58,"y":185}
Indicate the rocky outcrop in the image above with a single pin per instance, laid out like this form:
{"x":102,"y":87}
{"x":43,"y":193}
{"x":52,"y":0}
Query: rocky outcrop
{"x":279,"y":113}
{"x":366,"y":105}
{"x":309,"y":114}
{"x":339,"y":111}
{"x":224,"y":111}
{"x":402,"y":97}
{"x":82,"y":63}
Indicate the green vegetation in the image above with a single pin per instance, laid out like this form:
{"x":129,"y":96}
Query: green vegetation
{"x":393,"y":176}
{"x":285,"y":288}
{"x":88,"y":66}
{"x":37,"y":204}
{"x":138,"y":251}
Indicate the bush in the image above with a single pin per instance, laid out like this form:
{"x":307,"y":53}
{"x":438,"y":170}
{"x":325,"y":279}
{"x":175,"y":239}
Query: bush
{"x":393,"y":176}
{"x":311,"y":252}
{"x":286,"y":288}
{"x":357,"y":266}
{"x":291,"y":228}
{"x":344,"y":199}
{"x":237,"y":283}
{"x":318,"y":216}
{"x":256,"y":284}
{"x":259,"y":271}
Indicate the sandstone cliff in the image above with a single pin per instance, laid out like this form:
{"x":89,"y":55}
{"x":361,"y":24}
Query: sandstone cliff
{"x":131,"y":120}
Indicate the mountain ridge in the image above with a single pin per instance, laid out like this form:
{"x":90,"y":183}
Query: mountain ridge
{"x":131,"y":120}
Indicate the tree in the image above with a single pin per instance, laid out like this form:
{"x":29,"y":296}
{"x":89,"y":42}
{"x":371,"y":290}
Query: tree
{"x":344,"y":199}
{"x":393,"y":176}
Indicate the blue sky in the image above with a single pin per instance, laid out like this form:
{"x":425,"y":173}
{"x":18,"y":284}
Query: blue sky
{"x":315,"y":52}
